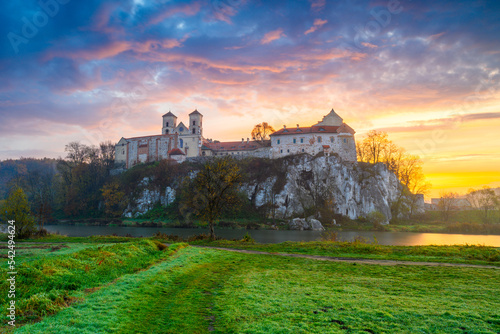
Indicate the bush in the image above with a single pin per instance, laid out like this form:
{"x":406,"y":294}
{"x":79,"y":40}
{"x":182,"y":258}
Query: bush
{"x":377,"y":218}
{"x":248,"y":238}
{"x":16,"y":207}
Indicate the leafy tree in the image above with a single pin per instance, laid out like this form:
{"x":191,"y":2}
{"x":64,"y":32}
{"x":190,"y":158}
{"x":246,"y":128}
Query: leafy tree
{"x":376,"y":147}
{"x":16,"y":207}
{"x":483,"y":199}
{"x":215,"y":188}
{"x":114,"y":200}
{"x":262,"y":131}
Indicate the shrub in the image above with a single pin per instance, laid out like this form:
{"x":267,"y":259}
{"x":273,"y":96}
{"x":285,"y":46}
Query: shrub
{"x":248,"y":238}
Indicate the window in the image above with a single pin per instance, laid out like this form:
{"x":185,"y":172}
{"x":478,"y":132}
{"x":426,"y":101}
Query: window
{"x":287,"y":151}
{"x":281,"y":151}
{"x":166,"y":124}
{"x":166,"y":131}
{"x":345,"y":140}
{"x":294,"y":141}
{"x":194,"y":131}
{"x":279,"y":141}
{"x":181,"y":143}
{"x":319,"y":139}
{"x":194,"y":122}
{"x":302,"y":150}
{"x":331,"y":139}
{"x":123,"y":151}
{"x":302,"y":140}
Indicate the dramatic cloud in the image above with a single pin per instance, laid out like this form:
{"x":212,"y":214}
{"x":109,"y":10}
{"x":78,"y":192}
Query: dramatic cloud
{"x":97,"y":70}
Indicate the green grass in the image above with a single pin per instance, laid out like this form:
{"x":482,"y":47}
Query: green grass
{"x":468,"y":254}
{"x":211,"y":291}
{"x":46,"y":284}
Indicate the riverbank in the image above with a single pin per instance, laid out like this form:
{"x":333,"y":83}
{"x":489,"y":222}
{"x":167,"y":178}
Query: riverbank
{"x":97,"y":285}
{"x":249,"y":224}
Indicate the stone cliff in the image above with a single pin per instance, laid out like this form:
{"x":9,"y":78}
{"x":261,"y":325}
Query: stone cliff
{"x":302,"y":185}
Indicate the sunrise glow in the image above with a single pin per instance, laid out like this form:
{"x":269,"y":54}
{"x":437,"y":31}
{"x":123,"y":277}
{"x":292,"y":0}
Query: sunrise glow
{"x":426,"y":72}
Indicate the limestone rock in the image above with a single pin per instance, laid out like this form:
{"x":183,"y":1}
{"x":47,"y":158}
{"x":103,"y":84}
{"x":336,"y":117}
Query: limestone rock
{"x":315,"y":225}
{"x":298,"y":224}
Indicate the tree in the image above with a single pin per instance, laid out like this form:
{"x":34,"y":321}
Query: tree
{"x":376,"y":147}
{"x":446,"y":204}
{"x":114,"y":200}
{"x":215,"y":188}
{"x":373,"y":146}
{"x":16,"y":207}
{"x":262,"y":131}
{"x":484,"y":199}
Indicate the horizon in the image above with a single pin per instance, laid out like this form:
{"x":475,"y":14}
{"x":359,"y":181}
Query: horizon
{"x":426,"y":73}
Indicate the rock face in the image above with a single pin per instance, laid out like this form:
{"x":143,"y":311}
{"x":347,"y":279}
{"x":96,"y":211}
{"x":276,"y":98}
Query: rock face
{"x":350,"y":189}
{"x":148,"y":199}
{"x":301,"y":183}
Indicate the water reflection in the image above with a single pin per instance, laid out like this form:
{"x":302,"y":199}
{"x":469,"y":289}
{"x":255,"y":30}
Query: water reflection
{"x":270,"y":236}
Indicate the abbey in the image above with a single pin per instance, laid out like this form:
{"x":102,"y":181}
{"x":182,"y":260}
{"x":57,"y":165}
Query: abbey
{"x":179,"y":142}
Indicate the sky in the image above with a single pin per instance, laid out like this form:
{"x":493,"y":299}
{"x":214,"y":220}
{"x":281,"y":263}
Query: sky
{"x":426,"y":72}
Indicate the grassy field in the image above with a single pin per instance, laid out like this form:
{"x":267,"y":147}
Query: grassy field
{"x":200,"y":290}
{"x":51,"y":277}
{"x":467,"y":254}
{"x":128,"y":285}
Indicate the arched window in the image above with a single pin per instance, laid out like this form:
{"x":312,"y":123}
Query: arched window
{"x":194,"y":122}
{"x":319,"y":139}
{"x":166,"y":124}
{"x":194,"y":131}
{"x":166,"y":131}
{"x":181,"y":143}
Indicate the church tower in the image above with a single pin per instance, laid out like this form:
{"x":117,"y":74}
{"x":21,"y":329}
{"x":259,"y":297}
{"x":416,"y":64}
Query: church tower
{"x":195,"y":123}
{"x":169,"y":123}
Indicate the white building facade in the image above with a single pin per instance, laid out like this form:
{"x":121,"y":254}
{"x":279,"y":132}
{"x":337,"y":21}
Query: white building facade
{"x":178,"y":142}
{"x":330,"y":136}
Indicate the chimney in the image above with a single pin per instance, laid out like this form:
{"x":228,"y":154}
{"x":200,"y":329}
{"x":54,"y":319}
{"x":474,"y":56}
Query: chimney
{"x":297,"y":126}
{"x":248,"y":139}
{"x":284,"y":126}
{"x":242,"y":140}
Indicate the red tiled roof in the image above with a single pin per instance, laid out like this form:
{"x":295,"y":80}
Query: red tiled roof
{"x":235,"y":146}
{"x":176,"y":151}
{"x":314,"y":129}
{"x":326,"y":146}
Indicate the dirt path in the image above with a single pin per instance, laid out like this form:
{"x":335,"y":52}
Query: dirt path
{"x":357,"y":260}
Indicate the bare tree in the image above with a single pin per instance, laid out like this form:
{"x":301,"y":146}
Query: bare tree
{"x":483,"y":199}
{"x":446,"y":204}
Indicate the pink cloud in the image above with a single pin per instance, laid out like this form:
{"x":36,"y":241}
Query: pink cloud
{"x":272,"y":36}
{"x":317,"y":24}
{"x":188,"y":10}
{"x":317,"y":5}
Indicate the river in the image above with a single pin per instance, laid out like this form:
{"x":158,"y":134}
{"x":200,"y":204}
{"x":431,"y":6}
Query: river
{"x":272,"y":236}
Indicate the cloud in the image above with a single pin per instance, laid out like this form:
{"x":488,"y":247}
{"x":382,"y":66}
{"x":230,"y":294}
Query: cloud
{"x":442,"y":123}
{"x":317,"y":24}
{"x":317,"y":5}
{"x":272,"y":36}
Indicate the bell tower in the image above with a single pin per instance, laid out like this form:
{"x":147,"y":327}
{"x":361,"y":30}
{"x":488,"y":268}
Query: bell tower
{"x":169,"y":123}
{"x":195,"y":123}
